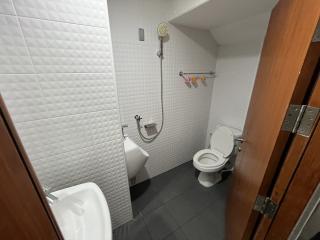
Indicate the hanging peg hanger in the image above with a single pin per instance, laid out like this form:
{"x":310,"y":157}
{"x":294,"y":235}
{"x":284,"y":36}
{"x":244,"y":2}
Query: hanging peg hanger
{"x":210,"y":74}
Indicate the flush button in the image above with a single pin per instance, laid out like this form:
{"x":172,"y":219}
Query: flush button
{"x":141,"y":34}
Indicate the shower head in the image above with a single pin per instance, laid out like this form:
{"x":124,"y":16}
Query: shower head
{"x":162,"y":29}
{"x":162,"y":32}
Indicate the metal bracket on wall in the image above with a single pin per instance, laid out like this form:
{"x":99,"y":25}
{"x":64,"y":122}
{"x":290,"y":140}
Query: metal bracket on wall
{"x":300,"y":119}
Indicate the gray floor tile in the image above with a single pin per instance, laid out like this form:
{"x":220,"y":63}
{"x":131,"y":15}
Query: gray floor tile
{"x":203,"y":227}
{"x":217,"y":218}
{"x":199,"y":195}
{"x":160,"y":223}
{"x":145,"y":199}
{"x":173,"y":174}
{"x":177,"y":235}
{"x":181,"y":209}
{"x":216,"y":211}
{"x":219,"y":198}
{"x":174,"y":182}
{"x":223,"y":187}
{"x":167,"y":192}
{"x":133,"y":230}
{"x":174,"y":199}
{"x":189,"y":204}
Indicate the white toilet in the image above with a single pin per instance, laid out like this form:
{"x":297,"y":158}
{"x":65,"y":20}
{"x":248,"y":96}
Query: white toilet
{"x":210,"y":161}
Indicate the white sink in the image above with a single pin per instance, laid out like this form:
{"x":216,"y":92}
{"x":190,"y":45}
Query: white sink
{"x":82,"y":213}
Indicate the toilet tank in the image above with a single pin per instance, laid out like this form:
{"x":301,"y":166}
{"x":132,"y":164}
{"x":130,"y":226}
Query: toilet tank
{"x":236,"y":132}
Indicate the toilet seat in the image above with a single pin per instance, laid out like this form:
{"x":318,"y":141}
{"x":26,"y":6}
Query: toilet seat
{"x":209,"y":160}
{"x":222,"y":141}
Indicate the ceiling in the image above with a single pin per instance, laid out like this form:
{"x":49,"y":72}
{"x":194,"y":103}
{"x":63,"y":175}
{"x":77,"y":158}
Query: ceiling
{"x":216,"y":13}
{"x":229,"y":21}
{"x":250,"y":29}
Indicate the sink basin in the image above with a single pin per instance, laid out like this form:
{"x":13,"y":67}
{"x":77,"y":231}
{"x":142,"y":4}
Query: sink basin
{"x":82,"y":213}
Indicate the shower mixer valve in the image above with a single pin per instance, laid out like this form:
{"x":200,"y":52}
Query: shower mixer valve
{"x":137,"y":117}
{"x":150,"y":128}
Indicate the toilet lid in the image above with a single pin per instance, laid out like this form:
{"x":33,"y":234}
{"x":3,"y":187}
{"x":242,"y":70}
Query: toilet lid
{"x":222,"y":141}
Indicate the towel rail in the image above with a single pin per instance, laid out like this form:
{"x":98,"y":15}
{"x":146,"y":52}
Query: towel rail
{"x":211,"y":73}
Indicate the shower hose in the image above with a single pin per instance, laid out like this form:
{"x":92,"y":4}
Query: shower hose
{"x":138,"y":118}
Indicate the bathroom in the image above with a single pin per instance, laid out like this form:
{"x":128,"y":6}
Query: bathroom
{"x":147,"y":99}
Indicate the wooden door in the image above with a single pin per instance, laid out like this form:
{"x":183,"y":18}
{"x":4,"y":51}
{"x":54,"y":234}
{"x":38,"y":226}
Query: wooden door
{"x":298,"y":144}
{"x":291,"y":28}
{"x":304,"y":182}
{"x":24,"y":212}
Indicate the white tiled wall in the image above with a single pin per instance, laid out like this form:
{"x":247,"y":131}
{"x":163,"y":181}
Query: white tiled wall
{"x":56,"y":76}
{"x":138,"y":81}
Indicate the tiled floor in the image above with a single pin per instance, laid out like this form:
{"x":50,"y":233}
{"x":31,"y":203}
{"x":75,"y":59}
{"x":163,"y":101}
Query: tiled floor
{"x":174,"y":206}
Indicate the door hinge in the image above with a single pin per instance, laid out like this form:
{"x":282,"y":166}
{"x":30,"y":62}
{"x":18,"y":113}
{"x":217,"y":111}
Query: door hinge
{"x":300,"y":119}
{"x":265,"y":206}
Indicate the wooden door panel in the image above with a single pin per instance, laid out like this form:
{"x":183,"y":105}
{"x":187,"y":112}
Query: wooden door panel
{"x":299,"y":143}
{"x":300,"y":190}
{"x":288,"y":38}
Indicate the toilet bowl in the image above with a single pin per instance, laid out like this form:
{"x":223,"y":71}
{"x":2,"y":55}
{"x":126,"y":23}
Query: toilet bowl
{"x":210,"y":161}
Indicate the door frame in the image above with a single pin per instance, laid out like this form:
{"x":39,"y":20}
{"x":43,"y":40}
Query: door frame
{"x":307,"y":214}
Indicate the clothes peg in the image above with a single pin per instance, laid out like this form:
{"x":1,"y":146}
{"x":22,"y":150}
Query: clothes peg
{"x":186,"y":79}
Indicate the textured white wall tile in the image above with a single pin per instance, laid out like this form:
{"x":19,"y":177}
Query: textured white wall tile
{"x":6,"y":7}
{"x":57,"y":47}
{"x":76,"y":167}
{"x":23,"y":96}
{"x":138,"y":83}
{"x":56,"y":76}
{"x":14,"y":56}
{"x":74,"y":93}
{"x":53,"y":136}
{"x":85,"y":12}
